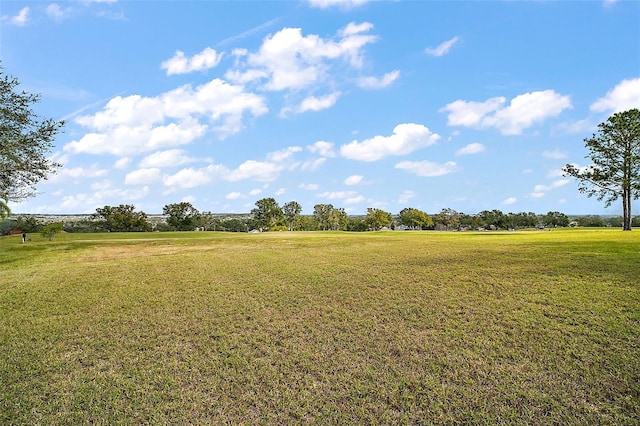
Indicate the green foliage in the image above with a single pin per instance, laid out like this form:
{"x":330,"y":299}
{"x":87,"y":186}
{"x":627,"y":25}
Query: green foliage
{"x":615,"y":170}
{"x":291,"y":212}
{"x":377,"y":219}
{"x":555,"y":219}
{"x":208,"y":222}
{"x":5,"y":211}
{"x":267,"y":214}
{"x":448,"y":218}
{"x":182,"y":216}
{"x":50,"y":230}
{"x":25,"y":141}
{"x":235,"y":225}
{"x":356,"y":224}
{"x":28,"y":224}
{"x":415,"y":219}
{"x":122,"y":218}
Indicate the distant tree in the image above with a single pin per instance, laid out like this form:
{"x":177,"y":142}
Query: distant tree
{"x":635,"y":222}
{"x":307,"y":223}
{"x":493,"y":219}
{"x":339,"y":219}
{"x":523,"y":220}
{"x":234,"y":225}
{"x":322,"y":213}
{"x":591,"y":221}
{"x":28,"y":224}
{"x":5,"y":211}
{"x":448,"y":218}
{"x":356,"y":224}
{"x":123,"y":218}
{"x":181,"y":216}
{"x":414,"y":218}
{"x":615,"y":221}
{"x":553,"y":219}
{"x":267,"y":214}
{"x":377,"y":219}
{"x":292,"y":211}
{"x":615,"y":172}
{"x":209,"y":222}
{"x":50,"y":230}
{"x":25,"y":141}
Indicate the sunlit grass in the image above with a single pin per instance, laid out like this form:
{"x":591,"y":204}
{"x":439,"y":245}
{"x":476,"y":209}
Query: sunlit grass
{"x":390,"y":327}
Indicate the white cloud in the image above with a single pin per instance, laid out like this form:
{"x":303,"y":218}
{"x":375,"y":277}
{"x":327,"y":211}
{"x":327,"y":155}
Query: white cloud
{"x":312,"y":165}
{"x":555,"y":173}
{"x":406,"y":138}
{"x":180,"y":64}
{"x":406,"y":196}
{"x":20,"y":19}
{"x":55,"y":12}
{"x":470,"y":113}
{"x":522,"y":112}
{"x":354,"y":200}
{"x":143,"y":176}
{"x":136,"y":124}
{"x":540,"y":190}
{"x":472,"y":148}
{"x":283,"y":155}
{"x":75,"y":173}
{"x":553,"y":185}
{"x":443,"y":48}
{"x":313,"y":103}
{"x":555,"y":154}
{"x":309,"y":186}
{"x":345,"y":4}
{"x":290,"y":61}
{"x":427,"y":168}
{"x":378,"y":83}
{"x":168,"y":158}
{"x":258,"y":170}
{"x":353,"y":180}
{"x":625,"y":95}
{"x":509,"y":201}
{"x":188,"y":178}
{"x":339,"y":195}
{"x":322,"y":148}
{"x":280,"y":191}
{"x":122,"y":163}
{"x":234,"y":196}
{"x":255,"y":191}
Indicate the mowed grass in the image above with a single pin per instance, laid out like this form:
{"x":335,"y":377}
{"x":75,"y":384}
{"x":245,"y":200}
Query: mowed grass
{"x":321,"y":328}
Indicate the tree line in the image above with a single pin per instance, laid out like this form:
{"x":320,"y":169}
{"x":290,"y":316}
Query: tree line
{"x":268,"y":215}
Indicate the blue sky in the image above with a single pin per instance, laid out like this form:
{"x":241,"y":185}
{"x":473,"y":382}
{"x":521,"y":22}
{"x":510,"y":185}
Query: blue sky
{"x":387,"y":104}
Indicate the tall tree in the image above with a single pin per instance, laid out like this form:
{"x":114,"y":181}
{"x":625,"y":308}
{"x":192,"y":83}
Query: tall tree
{"x":291,"y":211}
{"x":181,"y":216}
{"x":322,"y":213}
{"x":25,"y":141}
{"x":414,"y":218}
{"x":377,"y":219}
{"x":615,"y":153}
{"x":123,"y":218}
{"x":267,"y":213}
{"x":339,"y":219}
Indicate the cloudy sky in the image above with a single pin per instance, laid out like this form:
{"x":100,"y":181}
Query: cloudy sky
{"x":387,"y":104}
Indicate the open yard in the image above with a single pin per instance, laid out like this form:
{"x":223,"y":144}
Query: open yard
{"x":328,"y":328}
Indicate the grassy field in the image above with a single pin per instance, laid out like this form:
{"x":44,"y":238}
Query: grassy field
{"x":325,"y":328}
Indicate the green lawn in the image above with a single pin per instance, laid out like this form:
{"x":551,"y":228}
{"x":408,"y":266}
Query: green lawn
{"x":330,"y":328}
